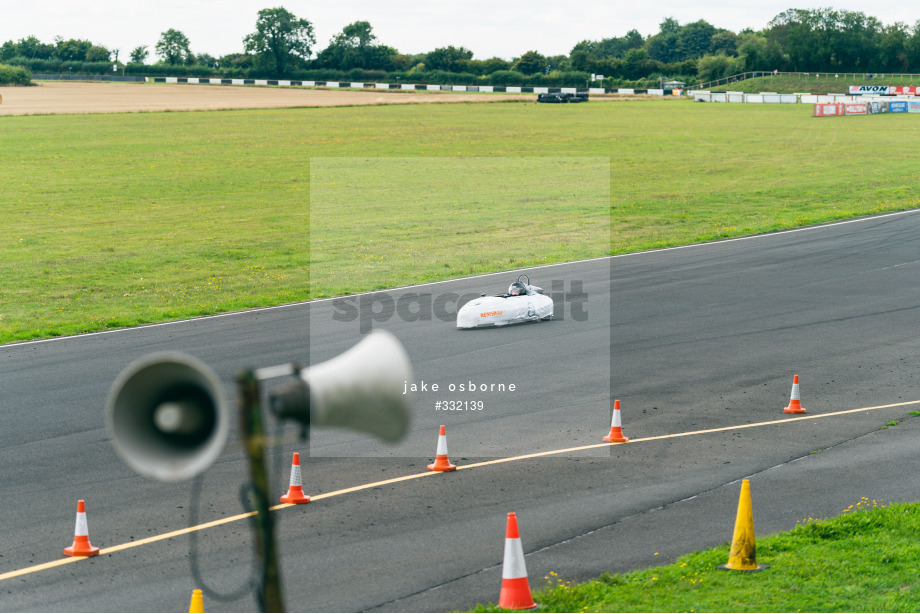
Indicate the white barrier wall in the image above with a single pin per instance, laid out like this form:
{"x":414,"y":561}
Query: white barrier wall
{"x":698,"y":95}
{"x":775,"y":98}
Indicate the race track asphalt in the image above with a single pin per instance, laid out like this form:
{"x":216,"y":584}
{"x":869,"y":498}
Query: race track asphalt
{"x":693,"y":339}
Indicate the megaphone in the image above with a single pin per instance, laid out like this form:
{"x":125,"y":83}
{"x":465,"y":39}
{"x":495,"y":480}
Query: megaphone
{"x":362,"y":389}
{"x":168,"y":419}
{"x":167,"y":416}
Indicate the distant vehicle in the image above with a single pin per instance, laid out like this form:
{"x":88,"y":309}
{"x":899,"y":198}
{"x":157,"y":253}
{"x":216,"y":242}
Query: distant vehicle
{"x":558,"y":97}
{"x":522,"y":303}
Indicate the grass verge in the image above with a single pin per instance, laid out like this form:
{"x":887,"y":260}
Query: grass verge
{"x":862,"y":561}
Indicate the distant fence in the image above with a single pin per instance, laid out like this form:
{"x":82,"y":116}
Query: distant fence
{"x":511,"y":89}
{"x":817,"y":77}
{"x":74,"y":77}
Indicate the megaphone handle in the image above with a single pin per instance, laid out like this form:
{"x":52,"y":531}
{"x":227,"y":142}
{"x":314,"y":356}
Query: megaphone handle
{"x":270,"y":597}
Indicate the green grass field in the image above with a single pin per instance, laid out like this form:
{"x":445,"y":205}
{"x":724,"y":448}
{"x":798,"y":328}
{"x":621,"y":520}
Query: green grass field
{"x":116,"y":220}
{"x":463,"y":214}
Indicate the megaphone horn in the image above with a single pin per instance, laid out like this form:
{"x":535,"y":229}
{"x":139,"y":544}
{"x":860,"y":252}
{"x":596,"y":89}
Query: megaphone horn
{"x":167,"y":416}
{"x":362,"y":388}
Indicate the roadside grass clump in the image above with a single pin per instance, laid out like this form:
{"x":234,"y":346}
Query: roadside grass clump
{"x":864,"y":560}
{"x":123,"y":219}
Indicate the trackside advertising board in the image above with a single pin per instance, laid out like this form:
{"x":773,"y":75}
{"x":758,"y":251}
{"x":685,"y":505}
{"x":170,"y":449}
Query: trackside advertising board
{"x":885,"y":90}
{"x":877,"y":106}
{"x":829,"y":109}
{"x":856,"y":108}
{"x":836,"y":109}
{"x":869,"y":89}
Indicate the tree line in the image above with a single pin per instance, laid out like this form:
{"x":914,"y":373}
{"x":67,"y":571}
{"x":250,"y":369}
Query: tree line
{"x":283,"y":45}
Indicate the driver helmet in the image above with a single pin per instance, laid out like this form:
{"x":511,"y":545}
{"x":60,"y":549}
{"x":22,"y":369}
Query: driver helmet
{"x":517,"y":289}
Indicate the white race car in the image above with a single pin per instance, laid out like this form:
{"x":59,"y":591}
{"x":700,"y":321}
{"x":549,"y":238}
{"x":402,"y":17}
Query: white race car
{"x":523,"y":303}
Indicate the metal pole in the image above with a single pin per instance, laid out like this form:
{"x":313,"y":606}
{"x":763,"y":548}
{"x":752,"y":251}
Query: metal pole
{"x":270,"y":598}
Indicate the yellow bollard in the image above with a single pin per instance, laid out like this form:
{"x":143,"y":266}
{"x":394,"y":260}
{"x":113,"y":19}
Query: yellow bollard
{"x":197,"y":605}
{"x":743,"y":553}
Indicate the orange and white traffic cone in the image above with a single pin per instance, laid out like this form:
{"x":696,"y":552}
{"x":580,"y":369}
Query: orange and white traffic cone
{"x":441,"y":462}
{"x":616,"y":426}
{"x":515,"y":593}
{"x":81,"y":545}
{"x":795,"y":403}
{"x":295,"y":490}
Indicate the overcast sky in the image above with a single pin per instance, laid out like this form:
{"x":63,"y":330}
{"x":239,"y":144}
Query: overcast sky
{"x":502,"y":28}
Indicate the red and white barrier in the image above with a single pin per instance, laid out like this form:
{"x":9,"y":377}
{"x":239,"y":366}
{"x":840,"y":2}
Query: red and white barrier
{"x":857,"y":108}
{"x":829,"y":109}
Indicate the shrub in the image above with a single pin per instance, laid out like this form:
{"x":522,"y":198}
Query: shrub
{"x":14,"y":75}
{"x":166,"y":70}
{"x":712,"y":67}
{"x":505,"y":77}
{"x":560,"y":78}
